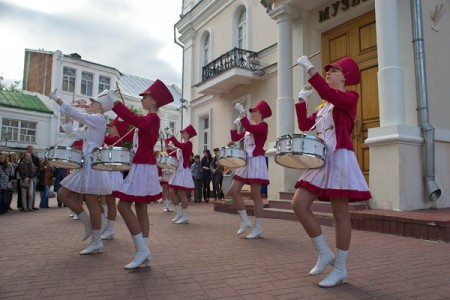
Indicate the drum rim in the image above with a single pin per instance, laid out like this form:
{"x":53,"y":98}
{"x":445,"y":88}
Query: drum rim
{"x":110,"y":148}
{"x":308,"y":155}
{"x":62,"y":147}
{"x":293,"y":135}
{"x":162,"y":166}
{"x":128,"y":167}
{"x":78,"y":165}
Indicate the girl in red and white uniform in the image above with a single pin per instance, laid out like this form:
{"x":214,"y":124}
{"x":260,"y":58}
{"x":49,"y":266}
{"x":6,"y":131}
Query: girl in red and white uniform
{"x":254,"y":172}
{"x":118,"y":134}
{"x":87,"y":181}
{"x":141,"y":184}
{"x":340,"y":180}
{"x":165,"y":176}
{"x":181,"y":180}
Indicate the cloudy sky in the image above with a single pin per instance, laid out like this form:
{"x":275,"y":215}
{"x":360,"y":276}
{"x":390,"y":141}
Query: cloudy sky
{"x":134,"y":36}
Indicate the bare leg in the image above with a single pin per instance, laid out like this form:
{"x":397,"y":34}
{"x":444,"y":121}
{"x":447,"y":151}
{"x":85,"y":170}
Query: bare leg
{"x":94,"y":208}
{"x":235,"y":191}
{"x":301,"y":204}
{"x":112,"y":208}
{"x":129,"y":217}
{"x":256,"y":195}
{"x":173,"y":196}
{"x":142,"y":217}
{"x":342,"y":223}
{"x":71,"y":200}
{"x":184,"y":199}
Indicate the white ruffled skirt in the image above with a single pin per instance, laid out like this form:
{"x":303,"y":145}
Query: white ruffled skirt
{"x":255,"y":171}
{"x":141,"y":185}
{"x":87,"y":180}
{"x":339,"y":177}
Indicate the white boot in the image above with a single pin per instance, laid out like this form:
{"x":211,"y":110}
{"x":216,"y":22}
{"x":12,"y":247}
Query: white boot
{"x":325,"y":258}
{"x":339,"y":273}
{"x":178,"y":212}
{"x":105,"y":209}
{"x":104,"y":222}
{"x":184,"y":217}
{"x":245,"y":222}
{"x":84,"y":217}
{"x":169,"y":205}
{"x":165,"y":206}
{"x":142,"y":252}
{"x":257,"y":230}
{"x":95,"y":245}
{"x":146,"y":263}
{"x":109,"y":232}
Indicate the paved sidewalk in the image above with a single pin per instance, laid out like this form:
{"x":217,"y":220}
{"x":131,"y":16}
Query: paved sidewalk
{"x":206,"y":260}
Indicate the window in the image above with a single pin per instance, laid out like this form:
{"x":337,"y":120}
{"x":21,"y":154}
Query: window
{"x":206,"y":49}
{"x":103,"y":83}
{"x":242,"y":36}
{"x":205,"y":129}
{"x":87,"y":82}
{"x":172,"y":126}
{"x":68,"y":79}
{"x":19,"y":131}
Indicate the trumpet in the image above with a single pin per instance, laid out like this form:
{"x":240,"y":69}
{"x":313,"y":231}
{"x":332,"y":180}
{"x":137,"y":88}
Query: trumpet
{"x":310,"y":56}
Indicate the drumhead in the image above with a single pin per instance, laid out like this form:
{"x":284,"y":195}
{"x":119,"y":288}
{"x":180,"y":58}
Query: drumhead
{"x":166,"y":166}
{"x":232,"y":162}
{"x":111,"y":166}
{"x":294,"y":161}
{"x":64,"y":164}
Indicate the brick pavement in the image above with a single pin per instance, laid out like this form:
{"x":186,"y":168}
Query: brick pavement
{"x":206,"y":260}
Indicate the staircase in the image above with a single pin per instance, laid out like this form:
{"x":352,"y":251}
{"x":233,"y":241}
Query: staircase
{"x":281,"y":208}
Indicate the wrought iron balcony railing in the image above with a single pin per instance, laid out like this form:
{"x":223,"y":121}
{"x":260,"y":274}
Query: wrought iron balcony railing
{"x":236,"y":58}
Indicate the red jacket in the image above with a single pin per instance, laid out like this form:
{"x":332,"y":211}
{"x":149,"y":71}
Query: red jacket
{"x":186,"y":149}
{"x":148,"y":133}
{"x":259,"y":132}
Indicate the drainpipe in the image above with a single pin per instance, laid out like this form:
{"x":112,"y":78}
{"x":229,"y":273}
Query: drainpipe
{"x":432,"y":189}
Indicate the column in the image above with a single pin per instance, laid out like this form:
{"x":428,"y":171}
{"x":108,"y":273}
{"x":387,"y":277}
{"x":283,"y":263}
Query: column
{"x":390,"y":72}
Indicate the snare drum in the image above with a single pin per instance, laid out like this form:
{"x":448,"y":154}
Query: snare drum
{"x":111,"y":159}
{"x":64,"y":157}
{"x":167,"y":162}
{"x":232,"y":157}
{"x":300,"y":151}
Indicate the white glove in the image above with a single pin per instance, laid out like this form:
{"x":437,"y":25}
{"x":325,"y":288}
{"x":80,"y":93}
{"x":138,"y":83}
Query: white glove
{"x":112,"y":96}
{"x":305,"y":63}
{"x":239,"y":108}
{"x":305,"y":92}
{"x":237,"y":122}
{"x":54,"y":95}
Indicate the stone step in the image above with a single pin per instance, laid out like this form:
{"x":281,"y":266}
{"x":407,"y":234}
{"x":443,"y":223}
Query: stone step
{"x":288,"y":214}
{"x":317,"y":206}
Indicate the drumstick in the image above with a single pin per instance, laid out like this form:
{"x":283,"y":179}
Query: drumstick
{"x":120,"y":93}
{"x":234,"y":143}
{"x":122,"y":137}
{"x":311,"y":56}
{"x":172,"y":152}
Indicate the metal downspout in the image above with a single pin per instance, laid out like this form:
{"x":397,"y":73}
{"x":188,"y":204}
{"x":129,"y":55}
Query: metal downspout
{"x":432,"y":189}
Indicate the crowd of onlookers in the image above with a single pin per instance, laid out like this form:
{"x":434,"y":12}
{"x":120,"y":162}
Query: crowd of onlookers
{"x":25,"y":174}
{"x":207,"y":171}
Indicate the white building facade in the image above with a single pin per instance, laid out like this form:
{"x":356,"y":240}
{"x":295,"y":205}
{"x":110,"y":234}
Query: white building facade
{"x":241,"y":51}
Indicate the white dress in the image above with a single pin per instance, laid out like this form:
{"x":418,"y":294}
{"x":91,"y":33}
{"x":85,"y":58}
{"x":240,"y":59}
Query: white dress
{"x":181,"y":179}
{"x":86,"y":180}
{"x":255,"y":170}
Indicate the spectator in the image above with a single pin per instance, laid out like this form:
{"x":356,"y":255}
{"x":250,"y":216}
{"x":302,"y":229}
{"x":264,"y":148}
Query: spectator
{"x":196,"y":169}
{"x":27,"y":173}
{"x":5,"y":174}
{"x":206,"y":174}
{"x":45,"y":181}
{"x":217,"y":176}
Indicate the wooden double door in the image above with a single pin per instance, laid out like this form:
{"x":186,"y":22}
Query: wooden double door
{"x":357,"y":39}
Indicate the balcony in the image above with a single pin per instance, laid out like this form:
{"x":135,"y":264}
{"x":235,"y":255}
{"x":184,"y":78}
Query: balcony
{"x":234,"y":68}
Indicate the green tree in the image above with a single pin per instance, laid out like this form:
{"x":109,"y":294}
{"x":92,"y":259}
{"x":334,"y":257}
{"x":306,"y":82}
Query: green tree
{"x":13,"y":87}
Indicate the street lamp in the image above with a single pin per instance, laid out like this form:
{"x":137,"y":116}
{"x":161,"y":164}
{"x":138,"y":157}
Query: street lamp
{"x":182,"y":107}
